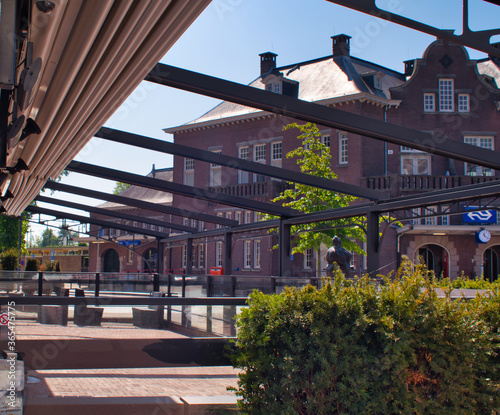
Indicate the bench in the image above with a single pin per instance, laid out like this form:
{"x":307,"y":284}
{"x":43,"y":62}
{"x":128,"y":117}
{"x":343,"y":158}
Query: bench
{"x":84,"y":315}
{"x":54,"y":314}
{"x":151,"y":317}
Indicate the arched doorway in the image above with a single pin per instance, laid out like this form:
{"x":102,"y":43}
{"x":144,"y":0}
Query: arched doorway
{"x":151,"y":260}
{"x":491,"y":268}
{"x":436,"y":259}
{"x":111,"y":261}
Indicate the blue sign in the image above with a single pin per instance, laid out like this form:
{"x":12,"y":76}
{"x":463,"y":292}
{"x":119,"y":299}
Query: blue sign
{"x":127,"y":243}
{"x":480,"y":216}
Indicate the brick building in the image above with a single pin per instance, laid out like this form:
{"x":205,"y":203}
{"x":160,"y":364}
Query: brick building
{"x":444,"y":92}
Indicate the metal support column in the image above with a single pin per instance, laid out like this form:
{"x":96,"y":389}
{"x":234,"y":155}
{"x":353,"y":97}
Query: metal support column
{"x":372,"y":243}
{"x":285,"y":249}
{"x":228,"y":262}
{"x":189,"y":256}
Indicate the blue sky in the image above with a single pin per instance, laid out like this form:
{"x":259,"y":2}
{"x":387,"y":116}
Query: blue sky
{"x":225,"y":41}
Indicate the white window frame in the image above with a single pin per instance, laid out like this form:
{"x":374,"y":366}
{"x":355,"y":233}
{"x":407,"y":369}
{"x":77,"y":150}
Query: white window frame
{"x":445,"y":219}
{"x":189,"y":172}
{"x":215,"y":172}
{"x":201,"y":256}
{"x":244,"y":154}
{"x":184,"y":256}
{"x":248,"y":216}
{"x":237,"y":217}
{"x":343,"y":148}
{"x":415,"y":159}
{"x":308,"y":258}
{"x":326,"y":140}
{"x":431,"y":220}
{"x":415,"y":220}
{"x":429,"y":102}
{"x":274,"y":87}
{"x":247,"y":254}
{"x":463,"y":103}
{"x":218,"y":254}
{"x":257,"y":245}
{"x":487,"y":142}
{"x":446,"y":94}
{"x":259,"y":156}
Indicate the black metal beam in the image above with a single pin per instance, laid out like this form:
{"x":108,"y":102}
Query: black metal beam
{"x":94,"y":221}
{"x":483,"y":190}
{"x":116,"y":214}
{"x":237,"y":163}
{"x":320,"y":114}
{"x":127,"y":201}
{"x":181,"y":189}
{"x":479,"y":40}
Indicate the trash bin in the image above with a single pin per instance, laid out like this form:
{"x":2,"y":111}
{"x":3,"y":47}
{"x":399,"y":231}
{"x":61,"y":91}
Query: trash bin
{"x":216,"y":271}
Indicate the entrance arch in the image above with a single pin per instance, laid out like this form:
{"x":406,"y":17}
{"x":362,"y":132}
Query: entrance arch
{"x":436,"y":259}
{"x":151,"y":258}
{"x":491,"y":265}
{"x":111,"y":261}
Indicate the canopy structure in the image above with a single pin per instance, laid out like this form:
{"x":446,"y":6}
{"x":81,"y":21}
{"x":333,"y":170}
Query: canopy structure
{"x":67,"y":66}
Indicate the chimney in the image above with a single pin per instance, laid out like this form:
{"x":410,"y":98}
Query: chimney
{"x":409,"y":67}
{"x":267,"y":62}
{"x":340,"y":45}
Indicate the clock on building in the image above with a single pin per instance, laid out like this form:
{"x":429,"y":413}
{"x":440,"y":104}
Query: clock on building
{"x":483,"y":236}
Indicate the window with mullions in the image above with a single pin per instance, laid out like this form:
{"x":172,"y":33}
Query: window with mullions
{"x":325,"y":139}
{"x":201,"y":256}
{"x":247,"y":254}
{"x":189,"y":172}
{"x":259,"y":156}
{"x":219,"y":250}
{"x":483,"y":142}
{"x":215,"y":173}
{"x":463,"y":103}
{"x":446,"y":95}
{"x":256,"y":254}
{"x":244,"y":154}
{"x":308,"y":258}
{"x":343,"y":159}
{"x":429,"y":102}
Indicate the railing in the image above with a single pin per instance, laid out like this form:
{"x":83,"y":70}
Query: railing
{"x":269,"y":189}
{"x":404,"y":183}
{"x":206,"y":303}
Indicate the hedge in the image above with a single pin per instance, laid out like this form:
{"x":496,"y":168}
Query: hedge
{"x":357,"y":348}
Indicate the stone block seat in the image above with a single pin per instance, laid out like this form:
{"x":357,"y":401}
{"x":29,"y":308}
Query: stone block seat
{"x":54,"y":314}
{"x":84,"y":315}
{"x":151,"y":317}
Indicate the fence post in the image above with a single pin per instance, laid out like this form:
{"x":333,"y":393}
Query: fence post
{"x":40,"y":283}
{"x":156,"y":282}
{"x":97,"y":283}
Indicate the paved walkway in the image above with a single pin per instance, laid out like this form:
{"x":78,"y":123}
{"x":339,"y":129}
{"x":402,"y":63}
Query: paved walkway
{"x":178,"y":390}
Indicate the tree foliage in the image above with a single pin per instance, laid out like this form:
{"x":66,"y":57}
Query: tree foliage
{"x":120,"y":187}
{"x":353,"y":348}
{"x":9,"y":259}
{"x":313,"y":157}
{"x":9,"y":232}
{"x":47,"y":238}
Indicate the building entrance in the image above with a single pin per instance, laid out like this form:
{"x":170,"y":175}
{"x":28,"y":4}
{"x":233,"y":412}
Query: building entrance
{"x":436,"y":259}
{"x":491,"y":268}
{"x":111,"y":261}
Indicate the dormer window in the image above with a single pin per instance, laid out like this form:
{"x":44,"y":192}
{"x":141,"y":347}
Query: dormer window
{"x":274,"y":87}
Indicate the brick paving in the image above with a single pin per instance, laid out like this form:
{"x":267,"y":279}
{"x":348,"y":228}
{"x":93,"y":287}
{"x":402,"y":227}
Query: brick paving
{"x":30,"y":330}
{"x":135,"y":382}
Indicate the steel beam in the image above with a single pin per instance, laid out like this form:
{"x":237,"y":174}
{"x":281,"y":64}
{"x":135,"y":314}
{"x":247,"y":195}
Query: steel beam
{"x":237,"y":163}
{"x":127,"y":201}
{"x":94,"y":221}
{"x":479,"y":40}
{"x":320,"y":114}
{"x":116,"y":214}
{"x":181,"y":189}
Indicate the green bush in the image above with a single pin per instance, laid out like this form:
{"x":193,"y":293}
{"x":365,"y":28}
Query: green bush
{"x":9,"y":259}
{"x":31,"y":264}
{"x":465,"y":282}
{"x":354,"y":348}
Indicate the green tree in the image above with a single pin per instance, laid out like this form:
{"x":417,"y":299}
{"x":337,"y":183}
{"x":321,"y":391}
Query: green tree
{"x":120,"y":187}
{"x":66,"y":236}
{"x":9,"y":231}
{"x":48,"y":238}
{"x":313,"y":157}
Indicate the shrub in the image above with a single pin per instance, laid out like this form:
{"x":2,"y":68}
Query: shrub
{"x":52,"y":266}
{"x":353,"y":348}
{"x":31,"y":264}
{"x":9,"y":259}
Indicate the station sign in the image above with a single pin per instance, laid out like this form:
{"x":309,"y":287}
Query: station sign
{"x":480,"y":216}
{"x":128,"y":243}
